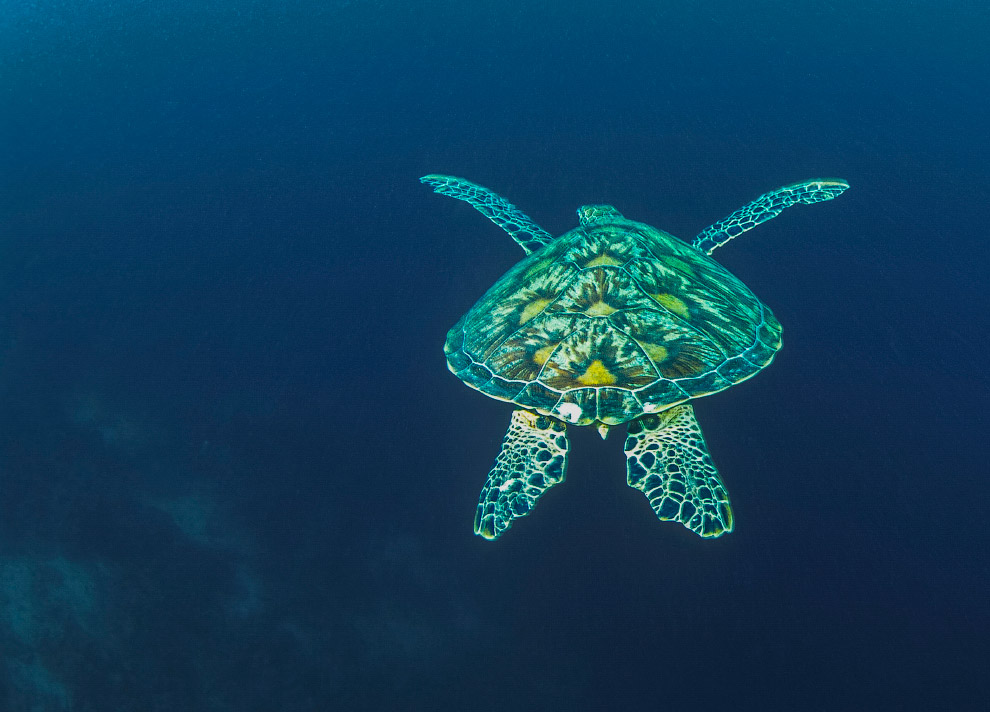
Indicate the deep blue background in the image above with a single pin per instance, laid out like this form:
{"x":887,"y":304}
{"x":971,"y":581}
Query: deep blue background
{"x":235,"y":473}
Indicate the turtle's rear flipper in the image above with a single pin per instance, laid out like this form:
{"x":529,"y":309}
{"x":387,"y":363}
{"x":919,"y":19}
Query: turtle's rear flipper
{"x":533,"y":459}
{"x":667,"y":460}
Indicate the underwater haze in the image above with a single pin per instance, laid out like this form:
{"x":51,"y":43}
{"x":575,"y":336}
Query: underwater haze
{"x":236,"y":474}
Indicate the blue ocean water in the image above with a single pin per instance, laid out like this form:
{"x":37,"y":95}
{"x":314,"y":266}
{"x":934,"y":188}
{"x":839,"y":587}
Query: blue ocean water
{"x":235,"y":473}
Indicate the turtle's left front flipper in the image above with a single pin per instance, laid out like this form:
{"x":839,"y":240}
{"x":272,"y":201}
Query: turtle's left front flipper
{"x":533,"y":459}
{"x":527,"y":234}
{"x":668,"y":461}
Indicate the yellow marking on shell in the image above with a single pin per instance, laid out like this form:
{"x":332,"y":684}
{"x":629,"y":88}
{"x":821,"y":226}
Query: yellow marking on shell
{"x":600,"y":308}
{"x":596,"y":375}
{"x":656,"y":352}
{"x":673,"y":304}
{"x":536,"y":267}
{"x":541,"y":355}
{"x":679,"y":264}
{"x":602,"y":260}
{"x":532,"y":309}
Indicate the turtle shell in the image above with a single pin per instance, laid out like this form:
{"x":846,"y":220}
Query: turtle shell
{"x":611,"y":321}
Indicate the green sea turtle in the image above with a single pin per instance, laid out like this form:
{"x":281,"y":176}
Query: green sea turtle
{"x":614,"y":322}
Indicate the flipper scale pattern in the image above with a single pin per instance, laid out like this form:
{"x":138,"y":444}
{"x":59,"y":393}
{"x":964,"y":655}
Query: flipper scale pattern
{"x":533,"y":459}
{"x":668,"y":461}
{"x":767,"y":206}
{"x":527,"y":234}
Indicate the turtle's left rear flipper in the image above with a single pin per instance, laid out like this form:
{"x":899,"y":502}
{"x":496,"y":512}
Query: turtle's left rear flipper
{"x":668,"y":461}
{"x":533,"y":459}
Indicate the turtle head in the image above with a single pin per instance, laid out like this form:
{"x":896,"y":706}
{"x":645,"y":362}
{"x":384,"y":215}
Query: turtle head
{"x":597,"y":214}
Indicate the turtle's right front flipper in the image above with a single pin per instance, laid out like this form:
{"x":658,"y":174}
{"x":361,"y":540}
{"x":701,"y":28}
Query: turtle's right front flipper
{"x":533,"y":459}
{"x":767,"y":206}
{"x":527,"y":234}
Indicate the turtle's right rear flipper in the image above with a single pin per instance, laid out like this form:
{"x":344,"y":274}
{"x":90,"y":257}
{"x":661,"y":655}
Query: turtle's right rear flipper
{"x":668,"y":461}
{"x":533,"y":459}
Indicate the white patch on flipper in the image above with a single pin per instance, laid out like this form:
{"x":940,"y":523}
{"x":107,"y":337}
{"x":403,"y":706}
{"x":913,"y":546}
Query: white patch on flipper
{"x":571,"y":412}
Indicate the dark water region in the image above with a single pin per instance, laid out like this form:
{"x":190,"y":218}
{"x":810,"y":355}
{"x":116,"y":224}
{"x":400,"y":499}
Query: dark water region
{"x":235,"y":473}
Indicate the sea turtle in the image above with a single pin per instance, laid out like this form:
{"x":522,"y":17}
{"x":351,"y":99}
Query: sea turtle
{"x":614,"y":322}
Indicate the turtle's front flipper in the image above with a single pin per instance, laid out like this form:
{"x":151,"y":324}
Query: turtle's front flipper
{"x":668,"y":461}
{"x":769,"y":205}
{"x":527,"y":234}
{"x":533,"y":459}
